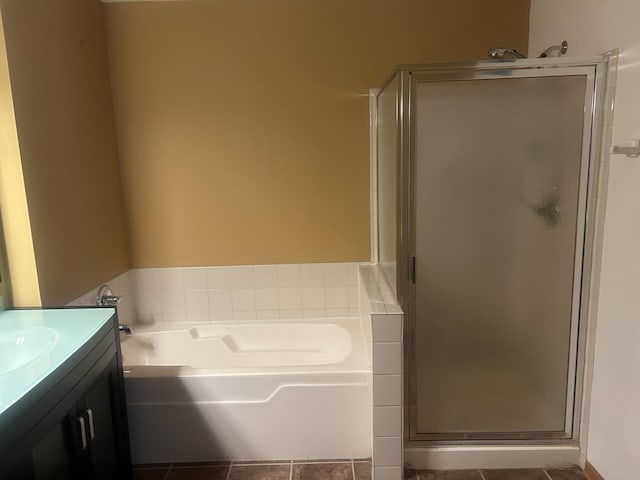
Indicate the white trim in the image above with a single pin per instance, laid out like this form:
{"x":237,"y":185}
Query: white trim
{"x":373,"y":170}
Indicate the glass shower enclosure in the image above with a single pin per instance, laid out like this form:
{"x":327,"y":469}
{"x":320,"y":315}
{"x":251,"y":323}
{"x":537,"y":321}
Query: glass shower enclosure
{"x":485,"y":174}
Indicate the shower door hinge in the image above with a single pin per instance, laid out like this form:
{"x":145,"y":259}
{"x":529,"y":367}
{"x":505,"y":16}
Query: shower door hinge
{"x":412,"y":269}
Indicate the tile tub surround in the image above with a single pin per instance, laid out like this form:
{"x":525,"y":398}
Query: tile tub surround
{"x":247,"y":292}
{"x":380,"y":310}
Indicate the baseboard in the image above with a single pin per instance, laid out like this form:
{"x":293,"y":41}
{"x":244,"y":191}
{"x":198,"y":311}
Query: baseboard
{"x":591,"y":473}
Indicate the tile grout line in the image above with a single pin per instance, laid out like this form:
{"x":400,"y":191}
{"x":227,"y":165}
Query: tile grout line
{"x":291,"y":470}
{"x":320,"y":462}
{"x":353,"y":470}
{"x":229,"y":471}
{"x":166,"y":475}
{"x":547,"y":474}
{"x":481,"y":475}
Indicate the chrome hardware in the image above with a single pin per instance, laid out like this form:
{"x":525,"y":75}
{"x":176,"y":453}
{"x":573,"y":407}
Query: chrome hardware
{"x":632,"y":150}
{"x":124,"y":328}
{"x":83,"y":434}
{"x":106,"y":298}
{"x":90,"y":415}
{"x":501,"y":53}
{"x":562,"y":49}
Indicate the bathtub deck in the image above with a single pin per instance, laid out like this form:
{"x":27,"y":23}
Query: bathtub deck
{"x":355,"y":469}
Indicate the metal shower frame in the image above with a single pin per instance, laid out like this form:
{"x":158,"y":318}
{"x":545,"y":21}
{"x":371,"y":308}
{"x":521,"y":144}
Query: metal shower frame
{"x":595,"y":69}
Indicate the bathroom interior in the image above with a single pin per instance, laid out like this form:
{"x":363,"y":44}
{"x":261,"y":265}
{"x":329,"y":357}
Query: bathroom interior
{"x":342,"y":239}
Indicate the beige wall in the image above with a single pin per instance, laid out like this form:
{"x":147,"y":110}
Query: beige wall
{"x":611,"y":430}
{"x":243,"y":125}
{"x":64,"y":117}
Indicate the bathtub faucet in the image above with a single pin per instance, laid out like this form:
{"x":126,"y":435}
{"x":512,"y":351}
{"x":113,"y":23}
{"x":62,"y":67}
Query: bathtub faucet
{"x":106,"y":298}
{"x":124,"y":328}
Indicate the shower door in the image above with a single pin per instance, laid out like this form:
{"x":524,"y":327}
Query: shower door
{"x":496,"y":204}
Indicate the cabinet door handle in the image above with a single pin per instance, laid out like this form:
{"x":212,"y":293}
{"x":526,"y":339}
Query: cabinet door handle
{"x":83,"y":435}
{"x":90,"y":415}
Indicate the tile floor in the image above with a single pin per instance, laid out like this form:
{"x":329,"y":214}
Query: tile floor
{"x":513,"y":474}
{"x":356,"y":469}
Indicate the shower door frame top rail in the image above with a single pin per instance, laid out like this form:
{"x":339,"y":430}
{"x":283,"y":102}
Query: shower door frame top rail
{"x":595,"y":70}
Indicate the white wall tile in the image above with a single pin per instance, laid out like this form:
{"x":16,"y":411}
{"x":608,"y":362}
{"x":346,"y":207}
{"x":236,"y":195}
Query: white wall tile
{"x":387,"y":358}
{"x":243,"y":299}
{"x":242,"y":276}
{"x":337,"y":297}
{"x":198,"y":294}
{"x":290,"y":298}
{"x":146,"y":280}
{"x":387,"y":451}
{"x":353,"y":296}
{"x":146,"y":318}
{"x":195,"y":278}
{"x":244,"y":315}
{"x":175,"y":317}
{"x":387,"y":421}
{"x":386,"y":328}
{"x":335,"y":274}
{"x":266,"y":276}
{"x":294,"y":314}
{"x":170,"y":279}
{"x":196,"y":301}
{"x":267,"y":314}
{"x":172,"y":302}
{"x":197,"y":317}
{"x":312,"y":274}
{"x":313,"y":297}
{"x":314,"y":313}
{"x":267,"y":299}
{"x":352,"y":274}
{"x":220,"y":300}
{"x":220,"y":316}
{"x":289,"y":276}
{"x":387,"y":473}
{"x":148,"y":302}
{"x":387,"y":389}
{"x":218,"y":277}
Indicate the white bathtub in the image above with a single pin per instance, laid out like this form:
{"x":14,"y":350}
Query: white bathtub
{"x":248,"y":391}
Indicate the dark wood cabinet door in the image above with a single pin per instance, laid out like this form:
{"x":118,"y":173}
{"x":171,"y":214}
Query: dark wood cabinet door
{"x":51,"y":457}
{"x":98,"y":406}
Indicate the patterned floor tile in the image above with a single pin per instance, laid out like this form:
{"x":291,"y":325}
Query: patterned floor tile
{"x":260,"y":472}
{"x":322,"y":471}
{"x":514,"y":474}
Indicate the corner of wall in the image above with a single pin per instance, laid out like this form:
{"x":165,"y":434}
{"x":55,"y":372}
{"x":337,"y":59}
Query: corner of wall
{"x":13,"y":198}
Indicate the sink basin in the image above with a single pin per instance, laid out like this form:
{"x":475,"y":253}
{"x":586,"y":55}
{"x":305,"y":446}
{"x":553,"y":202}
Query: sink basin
{"x":21,"y":346}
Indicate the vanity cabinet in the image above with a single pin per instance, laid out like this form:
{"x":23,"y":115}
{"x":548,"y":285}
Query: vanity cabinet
{"x":76,"y":426}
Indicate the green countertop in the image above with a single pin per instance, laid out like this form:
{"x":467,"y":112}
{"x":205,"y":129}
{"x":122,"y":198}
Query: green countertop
{"x":34,"y":343}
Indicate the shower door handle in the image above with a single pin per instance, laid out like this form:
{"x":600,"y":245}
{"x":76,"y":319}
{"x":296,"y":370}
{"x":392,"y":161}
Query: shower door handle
{"x":412,"y":269}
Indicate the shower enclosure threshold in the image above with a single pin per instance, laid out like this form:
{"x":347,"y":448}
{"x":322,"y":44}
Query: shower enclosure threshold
{"x":462,"y":457}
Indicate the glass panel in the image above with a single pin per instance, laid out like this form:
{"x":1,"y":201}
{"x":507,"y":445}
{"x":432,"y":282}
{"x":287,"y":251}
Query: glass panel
{"x":388,"y":178}
{"x":497,"y":174}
